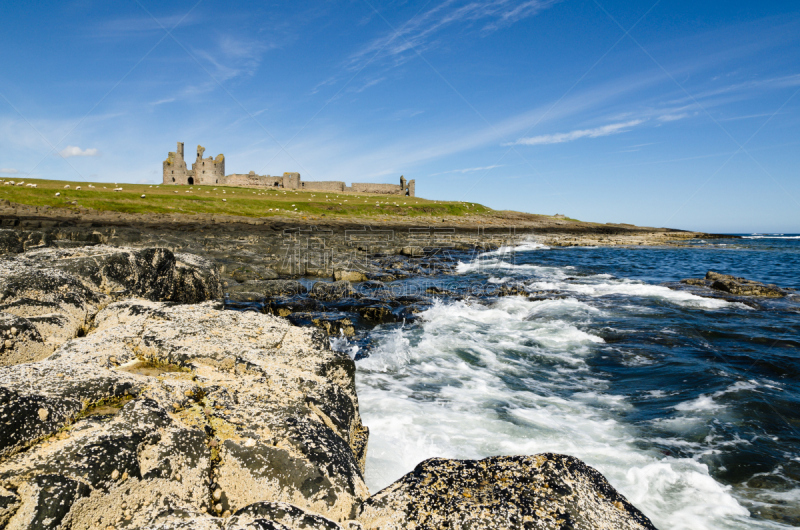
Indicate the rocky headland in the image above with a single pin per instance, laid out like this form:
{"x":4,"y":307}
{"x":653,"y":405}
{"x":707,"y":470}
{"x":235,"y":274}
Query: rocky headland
{"x":134,"y":395}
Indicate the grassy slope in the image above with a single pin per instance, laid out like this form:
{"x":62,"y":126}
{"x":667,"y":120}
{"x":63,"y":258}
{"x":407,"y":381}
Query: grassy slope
{"x":249,"y":202}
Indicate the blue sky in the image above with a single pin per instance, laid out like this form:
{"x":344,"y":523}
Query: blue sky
{"x":680,"y":114}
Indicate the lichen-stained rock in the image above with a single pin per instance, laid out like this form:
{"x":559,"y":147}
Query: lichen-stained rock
{"x":38,"y":399}
{"x":222,"y":410}
{"x":151,"y":273}
{"x":261,"y":513}
{"x":545,"y":491}
{"x":258,"y":516}
{"x":20,"y":341}
{"x":58,"y":291}
{"x":47,"y":499}
{"x":196,"y":280}
{"x":57,"y":304}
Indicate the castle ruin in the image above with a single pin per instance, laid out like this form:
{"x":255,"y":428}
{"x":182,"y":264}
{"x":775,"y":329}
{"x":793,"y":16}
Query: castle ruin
{"x":211,"y":172}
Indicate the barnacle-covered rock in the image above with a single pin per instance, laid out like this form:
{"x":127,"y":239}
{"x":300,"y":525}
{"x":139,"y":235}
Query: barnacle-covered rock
{"x":545,"y":491}
{"x":58,"y":291}
{"x":179,"y":416}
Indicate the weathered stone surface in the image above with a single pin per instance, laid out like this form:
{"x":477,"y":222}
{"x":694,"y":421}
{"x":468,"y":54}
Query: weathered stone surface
{"x":737,"y":286}
{"x":178,"y":416}
{"x":377,"y":313}
{"x":332,"y":290}
{"x":151,"y":273}
{"x":743,"y":287}
{"x":56,"y":304}
{"x":20,"y":341}
{"x":10,"y":242}
{"x":349,"y":276}
{"x":268,"y":288}
{"x":545,"y":491}
{"x":253,"y":272}
{"x":335,"y":326}
{"x":58,"y":291}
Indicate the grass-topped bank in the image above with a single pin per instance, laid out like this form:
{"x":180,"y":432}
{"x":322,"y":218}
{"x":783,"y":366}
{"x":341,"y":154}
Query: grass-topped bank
{"x":250,"y":202}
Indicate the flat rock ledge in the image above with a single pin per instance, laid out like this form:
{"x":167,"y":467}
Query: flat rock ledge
{"x":131,"y":399}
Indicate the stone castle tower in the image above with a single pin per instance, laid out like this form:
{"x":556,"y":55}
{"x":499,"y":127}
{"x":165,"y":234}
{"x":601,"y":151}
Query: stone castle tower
{"x":204,"y":171}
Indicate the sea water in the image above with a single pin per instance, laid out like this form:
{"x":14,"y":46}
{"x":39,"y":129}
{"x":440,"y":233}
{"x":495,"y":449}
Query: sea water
{"x":688,"y":405}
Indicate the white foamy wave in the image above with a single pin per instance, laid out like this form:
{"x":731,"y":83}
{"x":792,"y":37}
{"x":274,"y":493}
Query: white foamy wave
{"x":707,"y":403}
{"x":683,"y":490}
{"x":494,"y":264}
{"x":636,"y":289}
{"x":525,"y":246}
{"x":341,"y":344}
{"x":541,"y":277}
{"x":781,"y":236}
{"x":472,"y":381}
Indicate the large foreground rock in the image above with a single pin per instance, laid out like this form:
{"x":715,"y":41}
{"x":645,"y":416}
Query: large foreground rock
{"x":545,"y":491}
{"x":54,"y":293}
{"x":188,"y":416}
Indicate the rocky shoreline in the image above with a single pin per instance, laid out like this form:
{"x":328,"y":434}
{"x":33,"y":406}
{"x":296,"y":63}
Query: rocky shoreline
{"x":132,"y":398}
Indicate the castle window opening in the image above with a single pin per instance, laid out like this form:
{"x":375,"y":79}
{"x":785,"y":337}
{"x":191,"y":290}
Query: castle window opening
{"x":191,"y":180}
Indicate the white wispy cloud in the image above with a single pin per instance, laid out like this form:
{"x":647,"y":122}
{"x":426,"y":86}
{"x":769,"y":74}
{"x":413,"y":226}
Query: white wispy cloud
{"x":9,"y":170}
{"x":73,"y":150}
{"x":234,"y":57}
{"x":468,"y":170}
{"x":421,"y":33}
{"x":557,"y":138}
{"x":673,"y":117}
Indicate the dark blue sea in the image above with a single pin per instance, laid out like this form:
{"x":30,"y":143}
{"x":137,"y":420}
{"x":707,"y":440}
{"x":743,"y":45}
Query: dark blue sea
{"x":689,"y":405}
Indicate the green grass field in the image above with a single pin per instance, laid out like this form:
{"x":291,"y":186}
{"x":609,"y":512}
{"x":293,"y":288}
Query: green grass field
{"x":249,"y":202}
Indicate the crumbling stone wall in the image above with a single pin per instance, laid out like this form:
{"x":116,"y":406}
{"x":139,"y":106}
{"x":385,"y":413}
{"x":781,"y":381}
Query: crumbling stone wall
{"x":329,"y":185}
{"x":387,"y":189}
